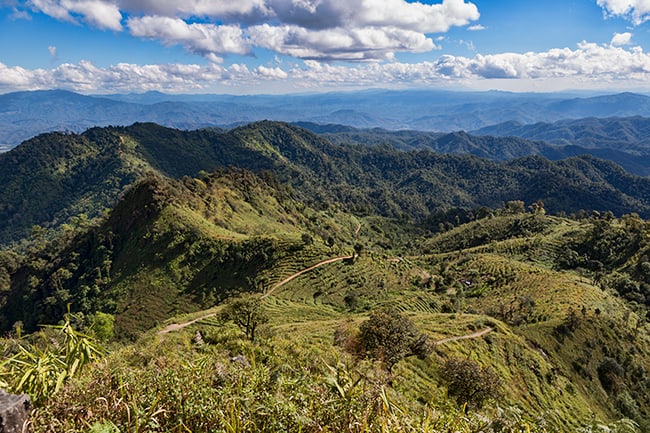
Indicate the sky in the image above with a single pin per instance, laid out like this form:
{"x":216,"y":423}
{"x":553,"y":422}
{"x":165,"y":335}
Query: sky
{"x":301,"y":46}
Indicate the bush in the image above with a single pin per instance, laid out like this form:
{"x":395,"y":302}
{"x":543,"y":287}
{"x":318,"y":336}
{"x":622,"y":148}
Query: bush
{"x":610,"y":374}
{"x":469,"y":383}
{"x":390,"y":337}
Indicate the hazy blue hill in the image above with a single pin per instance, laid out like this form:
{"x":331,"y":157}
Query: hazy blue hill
{"x":25,"y":114}
{"x":631,"y":134}
{"x":620,"y":105}
{"x":512,"y":140}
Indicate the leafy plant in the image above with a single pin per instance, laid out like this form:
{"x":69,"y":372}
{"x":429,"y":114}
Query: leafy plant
{"x":42,"y":372}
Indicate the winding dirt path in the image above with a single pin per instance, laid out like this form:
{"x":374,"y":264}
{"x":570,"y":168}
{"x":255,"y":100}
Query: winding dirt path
{"x":299,"y":273}
{"x":476,"y":334}
{"x":176,"y":326}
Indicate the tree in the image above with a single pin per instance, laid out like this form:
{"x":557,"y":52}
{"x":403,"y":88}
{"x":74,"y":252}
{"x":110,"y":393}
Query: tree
{"x":514,"y":207}
{"x":247,"y":312}
{"x":469,"y":383}
{"x":390,"y":337}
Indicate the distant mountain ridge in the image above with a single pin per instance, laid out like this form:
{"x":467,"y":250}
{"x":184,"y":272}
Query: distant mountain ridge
{"x":55,"y":176}
{"x":630,"y":134}
{"x":26,"y":114}
{"x":515,"y":141}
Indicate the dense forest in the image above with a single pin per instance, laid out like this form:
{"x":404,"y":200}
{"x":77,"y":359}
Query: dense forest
{"x":54,"y":177}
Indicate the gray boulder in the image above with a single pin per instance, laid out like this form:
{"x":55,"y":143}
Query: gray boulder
{"x":14,"y":412}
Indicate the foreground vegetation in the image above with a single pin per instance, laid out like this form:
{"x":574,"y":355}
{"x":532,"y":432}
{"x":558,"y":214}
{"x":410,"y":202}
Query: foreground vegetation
{"x":565,"y":347}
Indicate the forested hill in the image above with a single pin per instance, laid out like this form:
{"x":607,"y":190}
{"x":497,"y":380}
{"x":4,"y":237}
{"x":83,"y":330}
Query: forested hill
{"x":623,"y":141}
{"x":630,"y":134}
{"x":53,"y":177}
{"x":549,"y":314}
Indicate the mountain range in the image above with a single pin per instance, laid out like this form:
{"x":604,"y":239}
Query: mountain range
{"x":52,"y":177}
{"x":26,"y":114}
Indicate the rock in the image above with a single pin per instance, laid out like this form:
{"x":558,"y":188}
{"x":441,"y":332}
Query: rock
{"x":239,"y":359}
{"x":14,"y":412}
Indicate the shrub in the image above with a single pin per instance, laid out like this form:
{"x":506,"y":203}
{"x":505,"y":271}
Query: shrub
{"x":610,"y":374}
{"x":469,"y":383}
{"x":390,"y":337}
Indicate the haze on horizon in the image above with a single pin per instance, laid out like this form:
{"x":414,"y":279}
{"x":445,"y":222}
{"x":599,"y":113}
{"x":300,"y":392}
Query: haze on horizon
{"x":293,"y":46}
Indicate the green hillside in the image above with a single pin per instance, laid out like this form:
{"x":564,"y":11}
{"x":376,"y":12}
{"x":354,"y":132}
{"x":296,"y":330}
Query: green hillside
{"x":381,"y":306}
{"x":51,"y":179}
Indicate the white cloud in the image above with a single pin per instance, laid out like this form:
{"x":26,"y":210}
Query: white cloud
{"x":360,"y":44}
{"x":100,"y":14}
{"x":352,"y":30}
{"x":53,"y":52}
{"x":621,"y":39}
{"x":476,"y":28}
{"x":273,"y":73}
{"x":201,"y":39}
{"x":415,"y":16}
{"x":18,"y":14}
{"x":637,"y":11}
{"x":589,"y":65}
{"x":221,"y":9}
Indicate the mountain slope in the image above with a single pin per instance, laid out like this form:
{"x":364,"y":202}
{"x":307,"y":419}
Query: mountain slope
{"x":169,"y":247}
{"x":567,"y":346}
{"x":55,"y":176}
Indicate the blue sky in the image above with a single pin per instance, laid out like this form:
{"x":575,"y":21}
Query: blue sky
{"x":275,"y":46}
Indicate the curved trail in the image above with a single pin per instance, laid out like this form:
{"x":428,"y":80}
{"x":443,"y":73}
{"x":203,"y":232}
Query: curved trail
{"x":476,"y":334}
{"x":299,"y":273}
{"x":176,"y":326}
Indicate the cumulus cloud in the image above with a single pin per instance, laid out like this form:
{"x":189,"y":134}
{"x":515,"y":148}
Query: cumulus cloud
{"x":637,"y":11}
{"x":86,"y":77}
{"x":249,"y":10}
{"x":416,"y":16}
{"x":621,"y":39}
{"x":352,"y":30}
{"x":589,"y":65}
{"x":275,"y":73}
{"x":339,"y":44}
{"x":101,"y":14}
{"x":199,"y":38}
{"x":476,"y":28}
